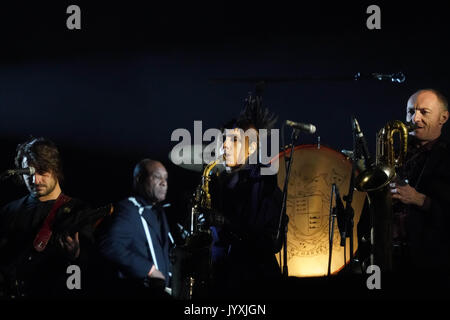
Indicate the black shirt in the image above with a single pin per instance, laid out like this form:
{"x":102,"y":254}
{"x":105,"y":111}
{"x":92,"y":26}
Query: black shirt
{"x":24,"y":270}
{"x":426,"y":227}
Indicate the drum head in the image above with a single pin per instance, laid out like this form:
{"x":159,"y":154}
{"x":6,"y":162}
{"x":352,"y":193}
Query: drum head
{"x":308,"y":206}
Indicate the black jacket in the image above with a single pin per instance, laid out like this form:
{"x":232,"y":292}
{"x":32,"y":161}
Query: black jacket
{"x":125,"y":243}
{"x":244,"y":248}
{"x":41,"y":274}
{"x":427,"y":227}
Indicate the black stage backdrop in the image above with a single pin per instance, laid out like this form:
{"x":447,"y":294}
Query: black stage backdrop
{"x":113,"y":92}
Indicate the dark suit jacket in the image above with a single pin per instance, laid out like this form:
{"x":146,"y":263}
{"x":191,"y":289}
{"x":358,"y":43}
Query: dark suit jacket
{"x":125,"y":242}
{"x":244,"y":249}
{"x":427,"y":227}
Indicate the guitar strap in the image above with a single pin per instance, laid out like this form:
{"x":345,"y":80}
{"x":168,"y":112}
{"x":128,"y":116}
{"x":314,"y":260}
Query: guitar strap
{"x":45,"y":233}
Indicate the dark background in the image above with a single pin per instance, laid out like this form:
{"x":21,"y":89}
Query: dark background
{"x":112,"y":93}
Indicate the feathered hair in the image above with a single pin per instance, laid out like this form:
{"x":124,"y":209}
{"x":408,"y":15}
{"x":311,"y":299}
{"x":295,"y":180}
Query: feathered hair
{"x":253,"y":115}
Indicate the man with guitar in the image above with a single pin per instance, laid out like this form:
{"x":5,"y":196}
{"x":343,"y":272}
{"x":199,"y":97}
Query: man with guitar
{"x":44,"y":232}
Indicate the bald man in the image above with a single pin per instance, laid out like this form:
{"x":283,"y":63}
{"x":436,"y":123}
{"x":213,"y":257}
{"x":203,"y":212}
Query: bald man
{"x":138,"y":240}
{"x":428,"y":110}
{"x":421,"y":232}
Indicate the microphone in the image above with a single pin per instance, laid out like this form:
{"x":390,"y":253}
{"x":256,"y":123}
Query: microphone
{"x":8,"y":173}
{"x":348,"y":153}
{"x":360,"y":137}
{"x":307,"y":127}
{"x":398,"y":77}
{"x":28,"y":171}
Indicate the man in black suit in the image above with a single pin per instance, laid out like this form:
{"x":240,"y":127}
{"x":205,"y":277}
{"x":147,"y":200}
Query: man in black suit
{"x":138,"y":239}
{"x":422,"y":241}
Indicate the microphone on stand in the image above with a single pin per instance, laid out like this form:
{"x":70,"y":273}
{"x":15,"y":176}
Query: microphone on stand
{"x":29,"y":171}
{"x":362,"y":141}
{"x":306,"y":127}
{"x":13,"y":172}
{"x":398,"y":77}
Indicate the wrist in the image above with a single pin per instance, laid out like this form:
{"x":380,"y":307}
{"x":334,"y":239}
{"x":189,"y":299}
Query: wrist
{"x":420,"y":199}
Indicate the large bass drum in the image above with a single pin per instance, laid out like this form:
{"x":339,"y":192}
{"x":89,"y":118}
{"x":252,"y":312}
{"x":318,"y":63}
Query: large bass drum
{"x":314,"y":170}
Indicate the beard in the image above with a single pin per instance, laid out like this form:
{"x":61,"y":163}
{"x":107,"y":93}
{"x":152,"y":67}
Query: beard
{"x":42,"y":190}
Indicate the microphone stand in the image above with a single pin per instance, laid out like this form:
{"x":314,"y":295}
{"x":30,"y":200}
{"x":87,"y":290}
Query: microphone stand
{"x":337,"y":212}
{"x":349,"y":212}
{"x":294,"y":137}
{"x":331,"y":228}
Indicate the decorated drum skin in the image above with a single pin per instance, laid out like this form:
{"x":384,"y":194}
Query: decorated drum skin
{"x":314,"y":171}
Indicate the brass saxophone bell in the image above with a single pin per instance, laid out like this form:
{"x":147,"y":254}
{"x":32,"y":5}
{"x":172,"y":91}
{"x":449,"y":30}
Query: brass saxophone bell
{"x":375,"y":181}
{"x":375,"y":178}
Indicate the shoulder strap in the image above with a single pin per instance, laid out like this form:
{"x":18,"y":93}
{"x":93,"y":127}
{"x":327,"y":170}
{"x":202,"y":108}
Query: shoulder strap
{"x":147,"y":232}
{"x":45,"y":233}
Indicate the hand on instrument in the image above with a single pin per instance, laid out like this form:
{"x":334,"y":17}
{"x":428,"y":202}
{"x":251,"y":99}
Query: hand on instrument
{"x":155,"y":278}
{"x":407,"y":194}
{"x":217,"y":219}
{"x":212,"y":218}
{"x":156,"y":274}
{"x":71,"y":246}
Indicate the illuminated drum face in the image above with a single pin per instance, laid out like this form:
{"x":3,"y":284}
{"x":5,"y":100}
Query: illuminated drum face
{"x":308,"y":206}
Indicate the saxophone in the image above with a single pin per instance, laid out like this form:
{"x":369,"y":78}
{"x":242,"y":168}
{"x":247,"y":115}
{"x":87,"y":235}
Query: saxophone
{"x":202,"y":198}
{"x":200,"y":239}
{"x":375,"y":181}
